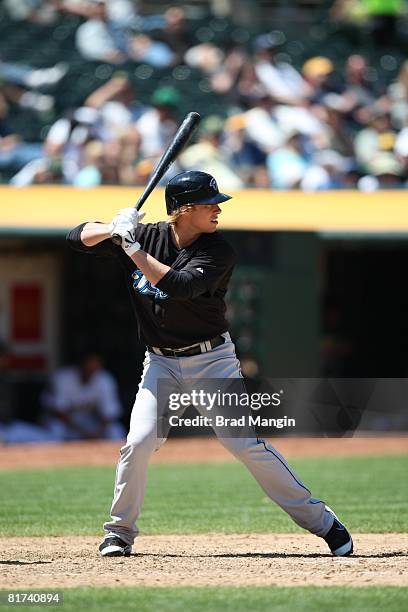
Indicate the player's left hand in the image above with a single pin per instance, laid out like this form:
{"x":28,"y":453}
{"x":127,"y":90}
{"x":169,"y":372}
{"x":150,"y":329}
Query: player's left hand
{"x":126,"y":215}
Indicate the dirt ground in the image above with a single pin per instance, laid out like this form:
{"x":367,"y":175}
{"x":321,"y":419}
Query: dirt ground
{"x":192,"y":450}
{"x":206,"y":559}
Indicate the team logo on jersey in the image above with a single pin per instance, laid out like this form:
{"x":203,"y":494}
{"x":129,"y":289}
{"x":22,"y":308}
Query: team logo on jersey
{"x":143,"y":286}
{"x":213,"y":184}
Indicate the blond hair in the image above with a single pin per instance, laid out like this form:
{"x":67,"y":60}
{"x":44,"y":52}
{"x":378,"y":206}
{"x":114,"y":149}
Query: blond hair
{"x":175,"y":216}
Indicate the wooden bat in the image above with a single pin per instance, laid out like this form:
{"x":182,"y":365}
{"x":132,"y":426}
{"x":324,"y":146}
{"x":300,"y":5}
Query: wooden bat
{"x":183,"y":135}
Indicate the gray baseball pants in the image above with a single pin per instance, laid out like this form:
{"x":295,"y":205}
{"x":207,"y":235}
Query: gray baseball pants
{"x":265,"y":463}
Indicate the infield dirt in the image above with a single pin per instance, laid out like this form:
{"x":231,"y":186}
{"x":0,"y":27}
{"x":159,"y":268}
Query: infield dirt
{"x":204,"y":560}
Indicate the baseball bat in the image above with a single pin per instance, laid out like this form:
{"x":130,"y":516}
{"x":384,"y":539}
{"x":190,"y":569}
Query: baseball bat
{"x":182,"y":136}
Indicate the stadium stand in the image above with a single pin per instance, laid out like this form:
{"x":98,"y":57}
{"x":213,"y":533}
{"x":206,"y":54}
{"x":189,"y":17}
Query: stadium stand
{"x":215,"y":68}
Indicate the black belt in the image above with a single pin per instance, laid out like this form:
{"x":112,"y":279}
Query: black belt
{"x":189,"y":351}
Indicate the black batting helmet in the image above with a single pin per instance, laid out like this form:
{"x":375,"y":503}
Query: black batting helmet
{"x":192,"y":187}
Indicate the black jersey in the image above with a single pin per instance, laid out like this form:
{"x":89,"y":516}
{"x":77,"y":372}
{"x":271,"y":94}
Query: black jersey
{"x":187,"y":304}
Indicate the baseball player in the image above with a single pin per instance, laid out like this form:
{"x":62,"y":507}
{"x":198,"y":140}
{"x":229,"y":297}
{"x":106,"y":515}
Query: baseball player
{"x":177,"y":274}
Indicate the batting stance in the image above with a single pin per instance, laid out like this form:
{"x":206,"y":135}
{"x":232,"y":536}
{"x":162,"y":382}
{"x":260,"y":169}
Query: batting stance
{"x":178,"y":273}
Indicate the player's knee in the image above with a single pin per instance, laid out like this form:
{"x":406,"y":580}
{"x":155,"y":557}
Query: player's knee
{"x":239,"y":447}
{"x":137,"y":445}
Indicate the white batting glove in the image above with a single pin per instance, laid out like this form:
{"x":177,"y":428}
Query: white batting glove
{"x":121,"y":228}
{"x":128,"y":235}
{"x":126,"y":215}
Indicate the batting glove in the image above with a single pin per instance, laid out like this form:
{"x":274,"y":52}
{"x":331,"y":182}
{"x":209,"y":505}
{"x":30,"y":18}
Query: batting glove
{"x":126,"y":215}
{"x":128,"y":235}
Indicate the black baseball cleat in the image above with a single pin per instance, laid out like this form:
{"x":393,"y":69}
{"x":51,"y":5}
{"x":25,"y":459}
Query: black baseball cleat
{"x":339,"y":540}
{"x":113,"y":546}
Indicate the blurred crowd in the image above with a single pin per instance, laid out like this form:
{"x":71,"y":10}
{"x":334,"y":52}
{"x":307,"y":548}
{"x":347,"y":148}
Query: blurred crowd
{"x":322,"y":125}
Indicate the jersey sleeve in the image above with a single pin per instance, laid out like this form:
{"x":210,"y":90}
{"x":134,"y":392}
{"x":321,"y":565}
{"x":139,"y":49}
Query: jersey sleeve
{"x":106,"y":248}
{"x":203,"y":273}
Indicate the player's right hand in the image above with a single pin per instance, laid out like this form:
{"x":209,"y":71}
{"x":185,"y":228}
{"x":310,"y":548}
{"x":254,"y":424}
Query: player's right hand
{"x":128,"y":236}
{"x":126,"y":215}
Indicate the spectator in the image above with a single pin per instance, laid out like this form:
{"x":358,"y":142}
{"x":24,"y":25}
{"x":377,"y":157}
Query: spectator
{"x":280,"y":79}
{"x":144,"y":49}
{"x":235,"y":78}
{"x":22,"y":84}
{"x":247,"y":157}
{"x":401,"y":153}
{"x":378,"y":137}
{"x":117,"y":104}
{"x":385,"y":172}
{"x":111,"y":161}
{"x":158,"y":124}
{"x":398,"y":95}
{"x":99,"y":38}
{"x":318,"y":73}
{"x":358,"y":90}
{"x":38,"y":172}
{"x":14,"y":152}
{"x":142,"y":171}
{"x":32,"y":78}
{"x":260,"y":120}
{"x":333,"y":131}
{"x":326,"y":172}
{"x":120,"y":157}
{"x":360,"y":96}
{"x":91,"y":174}
{"x":36,"y":11}
{"x":206,"y":57}
{"x":28,"y":100}
{"x":287,"y":165}
{"x":175,"y":33}
{"x":109,"y":34}
{"x":129,"y":156}
{"x":209,"y":156}
{"x":67,"y":137}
